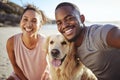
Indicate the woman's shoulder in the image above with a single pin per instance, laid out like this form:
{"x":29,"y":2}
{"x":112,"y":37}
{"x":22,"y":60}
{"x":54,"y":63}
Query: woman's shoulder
{"x":10,"y":43}
{"x":10,"y":40}
{"x":14,"y":35}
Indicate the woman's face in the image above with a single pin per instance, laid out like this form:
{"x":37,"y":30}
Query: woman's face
{"x":30,"y":23}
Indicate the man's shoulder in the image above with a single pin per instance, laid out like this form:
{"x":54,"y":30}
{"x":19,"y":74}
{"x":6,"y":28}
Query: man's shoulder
{"x":96,"y":26}
{"x":99,"y":27}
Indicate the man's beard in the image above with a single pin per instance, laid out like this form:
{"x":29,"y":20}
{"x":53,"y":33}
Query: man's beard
{"x":74,"y":38}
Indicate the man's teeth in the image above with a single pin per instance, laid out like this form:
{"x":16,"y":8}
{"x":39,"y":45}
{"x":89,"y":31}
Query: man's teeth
{"x":27,"y":29}
{"x":68,"y":31}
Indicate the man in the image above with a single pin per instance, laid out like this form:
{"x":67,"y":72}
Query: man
{"x":97,"y":45}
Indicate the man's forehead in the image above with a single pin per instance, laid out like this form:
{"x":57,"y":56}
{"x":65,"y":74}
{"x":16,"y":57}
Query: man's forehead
{"x":62,"y":12}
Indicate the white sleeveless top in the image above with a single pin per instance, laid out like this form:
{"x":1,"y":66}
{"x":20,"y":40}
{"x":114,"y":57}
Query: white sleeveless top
{"x":31,"y":62}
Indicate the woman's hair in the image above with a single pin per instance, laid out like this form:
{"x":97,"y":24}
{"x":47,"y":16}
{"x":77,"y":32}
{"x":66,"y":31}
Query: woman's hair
{"x":34,"y":8}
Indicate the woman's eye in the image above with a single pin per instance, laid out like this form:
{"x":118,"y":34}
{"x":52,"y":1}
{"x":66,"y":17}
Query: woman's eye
{"x":34,"y":21}
{"x":25,"y":19}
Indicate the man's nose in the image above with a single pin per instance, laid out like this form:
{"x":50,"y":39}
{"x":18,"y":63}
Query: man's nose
{"x":65,"y":24}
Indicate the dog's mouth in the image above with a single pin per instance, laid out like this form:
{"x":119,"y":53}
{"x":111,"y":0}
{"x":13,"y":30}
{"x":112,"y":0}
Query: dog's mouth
{"x":58,"y":62}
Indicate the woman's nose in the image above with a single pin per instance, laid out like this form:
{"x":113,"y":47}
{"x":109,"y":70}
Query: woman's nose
{"x":29,"y":24}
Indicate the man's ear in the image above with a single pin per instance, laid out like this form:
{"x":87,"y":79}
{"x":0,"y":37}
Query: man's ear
{"x":82,"y":17}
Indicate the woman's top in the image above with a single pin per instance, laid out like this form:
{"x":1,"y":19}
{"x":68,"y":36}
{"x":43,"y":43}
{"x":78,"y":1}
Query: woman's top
{"x":31,"y":62}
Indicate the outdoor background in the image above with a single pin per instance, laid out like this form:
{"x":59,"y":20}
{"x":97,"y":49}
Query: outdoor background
{"x":95,"y":11}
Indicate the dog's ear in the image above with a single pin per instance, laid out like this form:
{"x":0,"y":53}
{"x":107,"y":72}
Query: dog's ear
{"x":73,"y":49}
{"x":46,"y":44}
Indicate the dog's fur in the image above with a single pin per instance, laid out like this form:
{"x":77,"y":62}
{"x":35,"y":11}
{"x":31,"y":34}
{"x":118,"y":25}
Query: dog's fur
{"x":63,"y":62}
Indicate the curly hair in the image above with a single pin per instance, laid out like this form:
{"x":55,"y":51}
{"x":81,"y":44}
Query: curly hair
{"x":34,"y":8}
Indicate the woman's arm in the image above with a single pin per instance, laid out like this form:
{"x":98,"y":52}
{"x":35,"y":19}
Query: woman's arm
{"x":46,"y":75}
{"x":10,"y":51}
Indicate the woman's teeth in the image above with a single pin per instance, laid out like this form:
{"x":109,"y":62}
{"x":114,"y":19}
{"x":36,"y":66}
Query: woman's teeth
{"x":28,"y":29}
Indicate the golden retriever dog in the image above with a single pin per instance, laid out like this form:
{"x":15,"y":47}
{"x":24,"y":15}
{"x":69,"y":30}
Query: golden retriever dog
{"x":63,"y":62}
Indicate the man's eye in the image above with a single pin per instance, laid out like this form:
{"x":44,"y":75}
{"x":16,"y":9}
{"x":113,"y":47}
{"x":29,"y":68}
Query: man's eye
{"x":69,"y":19}
{"x":58,"y":23}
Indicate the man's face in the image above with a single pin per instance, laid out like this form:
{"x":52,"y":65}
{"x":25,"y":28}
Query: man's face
{"x":68,"y":22}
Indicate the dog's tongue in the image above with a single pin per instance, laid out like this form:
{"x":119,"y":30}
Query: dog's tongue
{"x":56,"y":62}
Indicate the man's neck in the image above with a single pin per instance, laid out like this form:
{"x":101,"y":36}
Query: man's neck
{"x":81,"y":37}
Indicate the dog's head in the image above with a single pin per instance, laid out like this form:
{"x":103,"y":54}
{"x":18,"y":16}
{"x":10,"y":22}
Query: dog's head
{"x":57,"y":48}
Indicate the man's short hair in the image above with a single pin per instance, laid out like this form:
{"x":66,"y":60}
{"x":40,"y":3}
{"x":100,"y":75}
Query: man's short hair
{"x":73,"y":6}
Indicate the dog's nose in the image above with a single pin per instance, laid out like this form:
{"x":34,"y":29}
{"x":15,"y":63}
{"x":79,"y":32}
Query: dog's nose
{"x":55,"y":52}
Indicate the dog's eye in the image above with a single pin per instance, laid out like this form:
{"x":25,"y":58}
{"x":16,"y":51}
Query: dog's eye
{"x":63,"y":43}
{"x":51,"y":42}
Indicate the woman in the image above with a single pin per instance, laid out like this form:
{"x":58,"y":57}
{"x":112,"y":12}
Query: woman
{"x":25,"y":49}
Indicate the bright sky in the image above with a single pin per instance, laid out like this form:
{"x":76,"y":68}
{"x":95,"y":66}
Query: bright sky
{"x":94,"y":10}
